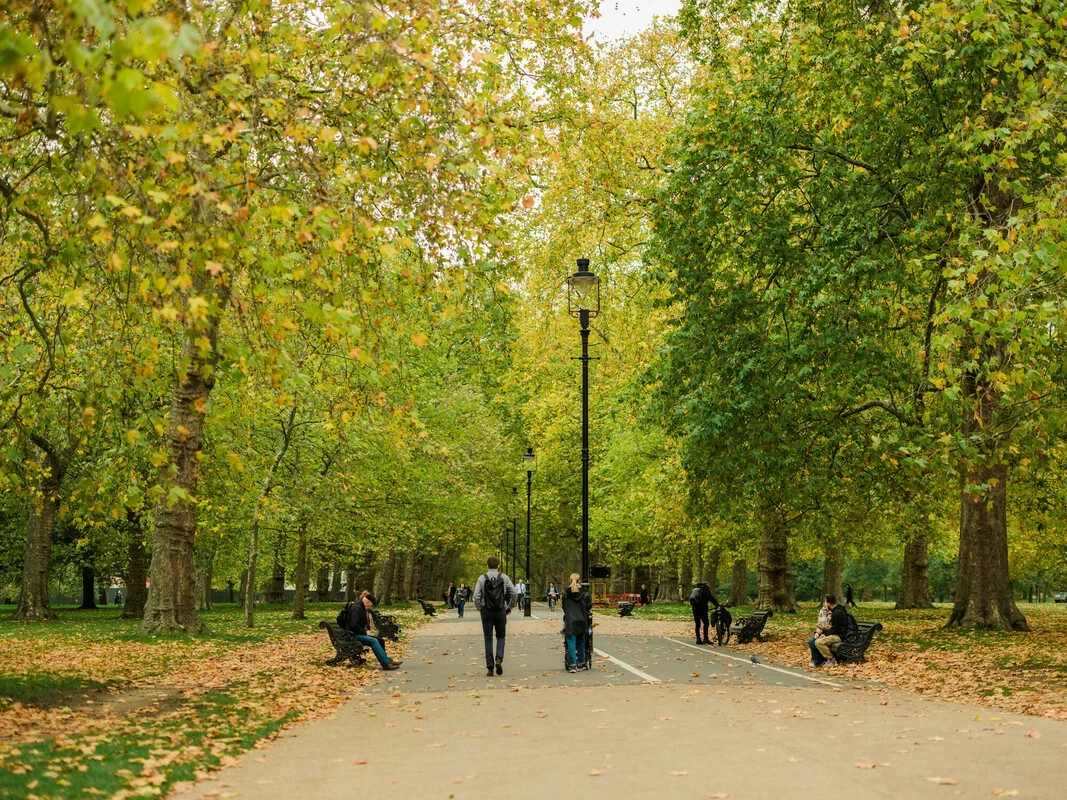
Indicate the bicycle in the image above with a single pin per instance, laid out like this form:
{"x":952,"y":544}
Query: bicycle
{"x":721,"y":619}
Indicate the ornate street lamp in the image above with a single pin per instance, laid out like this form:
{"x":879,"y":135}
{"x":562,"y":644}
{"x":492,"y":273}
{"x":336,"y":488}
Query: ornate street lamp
{"x":514,"y":534}
{"x":528,"y":459}
{"x":583,"y":302}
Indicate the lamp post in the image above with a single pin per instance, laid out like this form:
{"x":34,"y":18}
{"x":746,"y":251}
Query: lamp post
{"x":528,"y":458}
{"x":583,"y":302}
{"x":514,"y":533}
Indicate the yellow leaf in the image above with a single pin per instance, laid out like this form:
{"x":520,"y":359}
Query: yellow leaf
{"x":419,"y":339}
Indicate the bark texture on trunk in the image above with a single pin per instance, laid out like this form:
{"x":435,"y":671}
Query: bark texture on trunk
{"x":710,"y":568}
{"x":383,"y":584}
{"x":37,"y":557}
{"x":301,"y":571}
{"x":775,"y":569}
{"x":915,"y":574}
{"x":276,"y":587}
{"x":831,"y":572}
{"x":322,"y":583}
{"x":739,"y":583}
{"x":687,"y":572}
{"x":171,"y":605}
{"x":137,"y":571}
{"x":88,"y":588}
{"x":335,"y":583}
{"x":983,"y":589}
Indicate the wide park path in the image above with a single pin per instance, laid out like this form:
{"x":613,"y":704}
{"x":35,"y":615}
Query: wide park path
{"x":656,"y":717}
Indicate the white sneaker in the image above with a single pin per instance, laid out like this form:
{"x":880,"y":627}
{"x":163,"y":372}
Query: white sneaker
{"x":811,"y":665}
{"x":831,"y":663}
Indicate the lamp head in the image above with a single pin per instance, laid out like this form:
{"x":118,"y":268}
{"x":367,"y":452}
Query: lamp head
{"x":583,"y":290}
{"x":528,"y":458}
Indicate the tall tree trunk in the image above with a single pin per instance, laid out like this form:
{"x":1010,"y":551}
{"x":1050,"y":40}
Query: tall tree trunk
{"x":831,"y":572}
{"x":915,"y":575}
{"x":37,"y":557}
{"x":398,"y":576}
{"x":276,"y":587}
{"x":739,"y":583}
{"x":409,"y":575}
{"x":136,"y":572}
{"x":264,"y":492}
{"x":687,"y":572}
{"x":710,"y":568}
{"x":203,"y":588}
{"x":335,"y":584}
{"x":322,"y":583}
{"x":775,"y":568}
{"x":351,"y":587}
{"x":984,"y":598}
{"x":242,"y":589}
{"x":301,"y":570}
{"x":103,"y":581}
{"x":383,"y":584}
{"x":88,"y":588}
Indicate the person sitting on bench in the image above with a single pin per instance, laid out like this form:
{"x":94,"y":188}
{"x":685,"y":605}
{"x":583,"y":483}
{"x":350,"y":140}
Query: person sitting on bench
{"x":358,"y":622}
{"x":820,"y":645}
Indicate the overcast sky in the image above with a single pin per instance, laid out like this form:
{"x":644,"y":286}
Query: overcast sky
{"x":627,"y":17}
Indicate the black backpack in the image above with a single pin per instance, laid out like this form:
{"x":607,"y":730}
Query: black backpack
{"x":852,"y":627}
{"x":494,"y":596}
{"x":697,"y":595}
{"x":342,"y":616}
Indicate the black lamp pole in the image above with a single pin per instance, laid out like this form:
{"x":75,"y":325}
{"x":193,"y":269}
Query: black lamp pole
{"x":529,"y":459}
{"x":514,"y":534}
{"x":583,"y":305}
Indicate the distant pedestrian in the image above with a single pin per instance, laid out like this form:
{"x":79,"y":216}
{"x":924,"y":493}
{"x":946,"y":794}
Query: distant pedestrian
{"x":577,"y":620}
{"x":520,"y":591}
{"x":644,"y":595}
{"x":461,"y":597}
{"x":451,"y":595}
{"x":494,"y":595}
{"x":848,"y":596}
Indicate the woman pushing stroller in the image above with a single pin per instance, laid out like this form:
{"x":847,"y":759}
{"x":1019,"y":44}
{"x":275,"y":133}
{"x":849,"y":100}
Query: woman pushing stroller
{"x":577,"y":622}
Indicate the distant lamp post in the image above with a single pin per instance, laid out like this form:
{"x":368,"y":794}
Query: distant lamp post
{"x":583,"y":302}
{"x":514,"y":533}
{"x":528,"y":460}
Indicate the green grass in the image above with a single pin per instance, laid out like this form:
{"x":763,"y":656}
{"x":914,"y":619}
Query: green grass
{"x":44,"y":689}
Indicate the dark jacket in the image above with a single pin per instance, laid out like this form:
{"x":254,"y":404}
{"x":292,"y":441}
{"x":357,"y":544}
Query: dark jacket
{"x":838,"y":621}
{"x":577,"y":611}
{"x":358,"y":621}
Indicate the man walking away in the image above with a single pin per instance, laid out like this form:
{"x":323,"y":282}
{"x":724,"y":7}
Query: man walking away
{"x":699,"y":599}
{"x":494,"y":595}
{"x":820,"y":646}
{"x":848,"y":597}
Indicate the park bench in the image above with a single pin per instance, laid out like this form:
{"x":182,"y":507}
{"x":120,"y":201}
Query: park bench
{"x":626,"y":608}
{"x":745,"y":629}
{"x":386,"y":625}
{"x":428,"y":609}
{"x":346,"y":645}
{"x":855,"y":643}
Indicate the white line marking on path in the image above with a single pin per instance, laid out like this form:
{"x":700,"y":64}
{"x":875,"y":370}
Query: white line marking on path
{"x":642,"y":675}
{"x":758,"y":664}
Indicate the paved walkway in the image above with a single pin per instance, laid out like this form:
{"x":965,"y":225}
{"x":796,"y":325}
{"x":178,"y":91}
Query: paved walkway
{"x":657,"y":715}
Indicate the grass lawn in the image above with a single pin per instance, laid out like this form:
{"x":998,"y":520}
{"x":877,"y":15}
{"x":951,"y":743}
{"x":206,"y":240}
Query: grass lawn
{"x":1024,"y":672}
{"x":90,"y":706}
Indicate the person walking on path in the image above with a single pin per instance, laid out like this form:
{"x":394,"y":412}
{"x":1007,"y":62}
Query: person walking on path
{"x":358,"y":622}
{"x":520,"y":590}
{"x":461,"y":598}
{"x":552,"y":595}
{"x":644,"y":595}
{"x":820,"y":645}
{"x":577,"y":619}
{"x":494,"y":595}
{"x":848,"y":596}
{"x":699,"y":599}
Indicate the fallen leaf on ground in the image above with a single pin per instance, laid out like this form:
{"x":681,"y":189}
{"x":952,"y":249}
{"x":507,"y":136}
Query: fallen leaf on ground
{"x":866,"y":765}
{"x":944,"y":781}
{"x":678,"y":773}
{"x":1033,"y":734}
